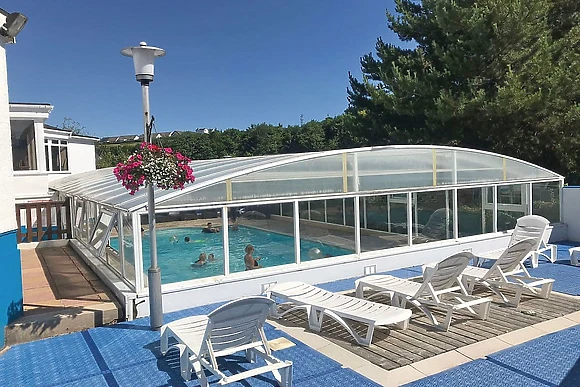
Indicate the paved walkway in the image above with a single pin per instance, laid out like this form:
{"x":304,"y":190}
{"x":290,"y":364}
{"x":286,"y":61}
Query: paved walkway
{"x":61,"y":295}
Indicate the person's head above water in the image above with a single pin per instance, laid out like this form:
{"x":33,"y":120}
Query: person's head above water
{"x":208,"y":225}
{"x":249,"y":249}
{"x":186,"y":239}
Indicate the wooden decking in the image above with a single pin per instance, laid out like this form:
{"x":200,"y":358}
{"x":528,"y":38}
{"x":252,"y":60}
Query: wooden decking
{"x":392,"y":348}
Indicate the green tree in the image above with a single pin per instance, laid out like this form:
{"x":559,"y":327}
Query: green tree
{"x":490,"y":74}
{"x":74,"y":126}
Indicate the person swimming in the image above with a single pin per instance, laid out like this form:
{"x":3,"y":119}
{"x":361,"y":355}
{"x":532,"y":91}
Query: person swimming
{"x":251,"y":262}
{"x":209,"y":228}
{"x":187,"y":239}
{"x":201,"y":261}
{"x":211,"y":257}
{"x":174,"y":239}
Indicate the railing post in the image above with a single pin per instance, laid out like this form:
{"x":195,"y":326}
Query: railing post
{"x":68,"y":218}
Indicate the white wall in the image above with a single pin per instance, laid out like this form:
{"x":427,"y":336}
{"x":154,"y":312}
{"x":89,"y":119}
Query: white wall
{"x":81,"y":155}
{"x":571,"y":211}
{"x":7,"y":213}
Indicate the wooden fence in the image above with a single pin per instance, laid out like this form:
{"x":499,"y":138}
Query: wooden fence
{"x":45,"y":220}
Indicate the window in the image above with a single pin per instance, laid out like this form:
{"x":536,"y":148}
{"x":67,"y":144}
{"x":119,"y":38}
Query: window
{"x":56,"y":154}
{"x":23,"y":145}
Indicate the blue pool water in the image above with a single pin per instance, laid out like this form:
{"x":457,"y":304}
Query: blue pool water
{"x":175,"y":258}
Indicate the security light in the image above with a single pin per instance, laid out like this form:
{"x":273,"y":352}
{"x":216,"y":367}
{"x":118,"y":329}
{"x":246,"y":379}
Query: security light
{"x":15,"y":22}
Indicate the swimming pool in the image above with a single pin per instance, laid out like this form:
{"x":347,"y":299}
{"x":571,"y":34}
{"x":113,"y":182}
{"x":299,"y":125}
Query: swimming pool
{"x":175,"y":256}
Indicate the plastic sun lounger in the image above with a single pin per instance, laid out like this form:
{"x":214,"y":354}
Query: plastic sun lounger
{"x":509,"y":272}
{"x":233,"y":327}
{"x":441,"y":287}
{"x":318,"y":302}
{"x":529,"y":226}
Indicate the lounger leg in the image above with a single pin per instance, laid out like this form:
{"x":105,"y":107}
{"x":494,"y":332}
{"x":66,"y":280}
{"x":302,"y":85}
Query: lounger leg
{"x":360,"y":290}
{"x":369,"y":336}
{"x":483,"y":310}
{"x":251,"y":355}
{"x":286,"y":375}
{"x":164,"y":340}
{"x":315,"y":318}
{"x":546,"y":289}
{"x":517,"y":297}
{"x":447,"y":321}
{"x":283,"y":375}
{"x":535,"y":259}
{"x":553,"y":253}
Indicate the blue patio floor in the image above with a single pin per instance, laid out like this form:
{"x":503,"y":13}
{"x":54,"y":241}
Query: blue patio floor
{"x":127,"y":354}
{"x":551,"y":360}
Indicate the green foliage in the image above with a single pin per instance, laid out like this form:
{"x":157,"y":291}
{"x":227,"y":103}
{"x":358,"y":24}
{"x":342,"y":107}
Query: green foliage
{"x":498,"y":75}
{"x":109,"y":155}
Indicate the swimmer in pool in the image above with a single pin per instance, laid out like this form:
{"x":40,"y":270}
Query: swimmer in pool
{"x":210,"y":229}
{"x":201,"y":261}
{"x":249,"y":260}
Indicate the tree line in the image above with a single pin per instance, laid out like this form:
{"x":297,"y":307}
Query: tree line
{"x":496,"y":75}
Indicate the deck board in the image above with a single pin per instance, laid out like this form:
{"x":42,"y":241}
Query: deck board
{"x":393,"y":348}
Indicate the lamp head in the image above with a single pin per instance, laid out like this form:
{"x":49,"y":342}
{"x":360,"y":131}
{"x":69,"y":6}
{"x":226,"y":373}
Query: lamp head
{"x":143,"y":58}
{"x":15,"y":22}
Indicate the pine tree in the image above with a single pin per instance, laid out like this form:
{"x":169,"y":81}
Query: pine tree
{"x":499,"y":75}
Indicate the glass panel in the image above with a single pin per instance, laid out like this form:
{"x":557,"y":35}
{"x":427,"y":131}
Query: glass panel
{"x":312,"y":176}
{"x":405,"y":167}
{"x":63,"y":158}
{"x":100,"y":234}
{"x":47,"y":156}
{"x":54,"y":153}
{"x":512,"y":204}
{"x":473,"y":219}
{"x":320,"y":239}
{"x":259,"y":237}
{"x":189,"y":245}
{"x":23,"y":145}
{"x":546,"y":200}
{"x":386,"y":222}
{"x":432,"y":216}
{"x":334,"y":211}
{"x":128,"y":247}
{"x":379,"y":168}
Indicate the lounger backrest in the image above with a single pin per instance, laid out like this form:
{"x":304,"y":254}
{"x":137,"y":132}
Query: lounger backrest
{"x":238,"y":322}
{"x":530,"y":226}
{"x":512,"y":256}
{"x":443,"y":275}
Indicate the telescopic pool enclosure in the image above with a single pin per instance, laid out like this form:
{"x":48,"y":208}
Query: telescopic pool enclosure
{"x":334,"y":214}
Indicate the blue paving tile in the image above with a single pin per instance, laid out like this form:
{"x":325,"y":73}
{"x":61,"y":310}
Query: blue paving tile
{"x":567,"y":277}
{"x":554,"y":358}
{"x":335,"y":377}
{"x":48,"y":362}
{"x":308,"y":364}
{"x":92,"y":381}
{"x":478,"y":373}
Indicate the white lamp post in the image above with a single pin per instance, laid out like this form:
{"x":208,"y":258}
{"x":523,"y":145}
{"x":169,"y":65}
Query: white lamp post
{"x":143,"y":58}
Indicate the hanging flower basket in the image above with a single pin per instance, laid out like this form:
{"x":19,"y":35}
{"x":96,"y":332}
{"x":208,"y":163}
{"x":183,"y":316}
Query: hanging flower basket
{"x":152,"y":164}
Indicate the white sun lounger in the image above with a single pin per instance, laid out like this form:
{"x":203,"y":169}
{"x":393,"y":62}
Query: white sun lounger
{"x":509,"y":272}
{"x":319,"y":302}
{"x":529,"y":226}
{"x":441,"y":287}
{"x":233,"y":327}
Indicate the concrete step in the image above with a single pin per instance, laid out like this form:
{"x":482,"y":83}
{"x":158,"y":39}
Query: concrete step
{"x":60,"y":321}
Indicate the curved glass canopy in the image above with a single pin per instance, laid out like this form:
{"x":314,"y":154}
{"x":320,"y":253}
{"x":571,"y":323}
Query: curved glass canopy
{"x":362,"y":170}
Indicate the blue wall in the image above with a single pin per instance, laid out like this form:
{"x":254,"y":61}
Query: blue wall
{"x":10,"y":281}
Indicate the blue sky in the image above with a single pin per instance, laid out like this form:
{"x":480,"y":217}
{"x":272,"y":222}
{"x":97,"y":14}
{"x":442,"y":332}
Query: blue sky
{"x":228,"y":64}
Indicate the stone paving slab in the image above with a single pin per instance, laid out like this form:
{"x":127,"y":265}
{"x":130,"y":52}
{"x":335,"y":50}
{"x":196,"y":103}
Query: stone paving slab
{"x":61,"y":295}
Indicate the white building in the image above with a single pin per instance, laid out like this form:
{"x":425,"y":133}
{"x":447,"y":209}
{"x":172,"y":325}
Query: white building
{"x":42,"y":153}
